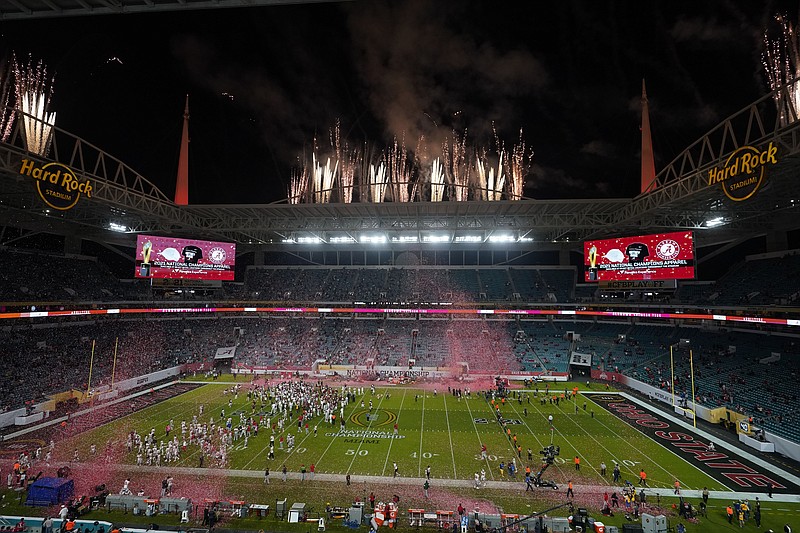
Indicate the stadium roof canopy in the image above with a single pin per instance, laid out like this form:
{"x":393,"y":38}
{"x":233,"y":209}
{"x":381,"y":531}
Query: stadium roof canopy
{"x":682,"y":199}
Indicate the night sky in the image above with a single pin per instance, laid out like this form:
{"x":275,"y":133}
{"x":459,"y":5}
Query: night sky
{"x":264,"y":83}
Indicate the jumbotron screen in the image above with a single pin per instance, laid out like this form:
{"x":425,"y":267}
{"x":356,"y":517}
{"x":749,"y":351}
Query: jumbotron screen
{"x":173,"y":258}
{"x":644,"y":257}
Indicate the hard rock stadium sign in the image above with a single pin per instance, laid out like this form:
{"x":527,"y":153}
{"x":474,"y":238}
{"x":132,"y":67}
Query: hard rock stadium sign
{"x":57,"y":184}
{"x":743,"y":171}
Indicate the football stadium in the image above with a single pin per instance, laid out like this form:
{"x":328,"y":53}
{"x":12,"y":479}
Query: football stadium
{"x":402,"y":349}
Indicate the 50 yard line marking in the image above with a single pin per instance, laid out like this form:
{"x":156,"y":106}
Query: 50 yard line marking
{"x":450,"y":436}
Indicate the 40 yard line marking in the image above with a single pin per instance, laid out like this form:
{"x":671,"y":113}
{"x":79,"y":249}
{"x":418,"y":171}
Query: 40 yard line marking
{"x":391,"y":441}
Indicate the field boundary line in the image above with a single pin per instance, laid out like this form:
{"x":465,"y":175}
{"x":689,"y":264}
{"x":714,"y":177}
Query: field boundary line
{"x":677,"y":421}
{"x":662,"y":446}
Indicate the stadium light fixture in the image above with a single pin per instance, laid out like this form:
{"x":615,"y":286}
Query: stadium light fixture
{"x":436,"y":238}
{"x":502,"y":238}
{"x":469,"y":238}
{"x":405,"y":239}
{"x":345,"y":239}
{"x":714,"y":222}
{"x":119,"y":228}
{"x":309,"y":240}
{"x":373,"y":239}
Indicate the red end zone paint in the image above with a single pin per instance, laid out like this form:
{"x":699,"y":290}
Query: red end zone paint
{"x":724,"y":466}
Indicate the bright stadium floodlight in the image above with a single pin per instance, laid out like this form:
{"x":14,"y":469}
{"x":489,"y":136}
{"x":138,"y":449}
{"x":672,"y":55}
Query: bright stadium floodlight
{"x":436,"y":238}
{"x":113,"y":226}
{"x":309,"y":240}
{"x":714,"y":222}
{"x":373,"y":239}
{"x":345,"y":239}
{"x":469,"y":238}
{"x":405,"y":239}
{"x":287,"y":240}
{"x":502,"y":238}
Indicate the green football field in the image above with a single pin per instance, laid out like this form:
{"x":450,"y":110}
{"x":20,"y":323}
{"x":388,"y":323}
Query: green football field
{"x":434,"y":429}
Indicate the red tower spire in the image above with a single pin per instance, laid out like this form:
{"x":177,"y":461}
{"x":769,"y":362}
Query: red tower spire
{"x":182,"y":184}
{"x":648,"y":159}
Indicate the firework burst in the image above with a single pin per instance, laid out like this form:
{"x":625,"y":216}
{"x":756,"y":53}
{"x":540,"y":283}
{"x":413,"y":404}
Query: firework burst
{"x":33,"y":91}
{"x":378,"y":180}
{"x":781,"y":60}
{"x":451,"y":169}
{"x":323,"y":179}
{"x":297,"y":185}
{"x":437,"y":181}
{"x":6,"y":90}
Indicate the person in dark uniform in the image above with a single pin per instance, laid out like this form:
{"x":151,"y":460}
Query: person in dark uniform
{"x":191,"y":254}
{"x":636,"y":252}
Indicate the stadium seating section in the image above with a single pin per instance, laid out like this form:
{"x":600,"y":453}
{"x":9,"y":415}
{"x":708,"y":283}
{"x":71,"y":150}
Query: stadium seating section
{"x":46,"y":356}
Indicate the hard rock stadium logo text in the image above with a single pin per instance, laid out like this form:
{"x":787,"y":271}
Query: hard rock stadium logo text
{"x":743,"y":172}
{"x":57,"y":184}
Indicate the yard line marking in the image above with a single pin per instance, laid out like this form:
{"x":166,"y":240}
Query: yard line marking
{"x":355,"y":406}
{"x":669,"y":474}
{"x":360,"y":444}
{"x":328,"y":447}
{"x":562,"y":434}
{"x":450,"y":436}
{"x":391,"y":441}
{"x":421,"y":434}
{"x":480,"y":442}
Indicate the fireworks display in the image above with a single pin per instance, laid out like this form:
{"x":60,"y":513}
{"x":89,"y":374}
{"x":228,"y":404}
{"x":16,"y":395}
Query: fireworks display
{"x":454,"y":172}
{"x":781,"y":60}
{"x":6,"y":90}
{"x":33,"y":91}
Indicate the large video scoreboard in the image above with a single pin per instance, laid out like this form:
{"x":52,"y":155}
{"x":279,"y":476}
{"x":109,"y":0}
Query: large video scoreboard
{"x":173,"y":258}
{"x":643,"y":257}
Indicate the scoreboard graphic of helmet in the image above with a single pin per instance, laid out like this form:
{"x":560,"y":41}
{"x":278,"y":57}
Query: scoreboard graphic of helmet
{"x":643,"y":257}
{"x":173,"y":258}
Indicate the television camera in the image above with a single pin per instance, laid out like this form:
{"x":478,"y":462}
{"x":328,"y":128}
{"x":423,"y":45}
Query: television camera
{"x":549,"y":455}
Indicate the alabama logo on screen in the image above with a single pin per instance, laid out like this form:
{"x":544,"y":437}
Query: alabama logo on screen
{"x":56,"y":184}
{"x":667,"y":249}
{"x":217,"y":255}
{"x":744,"y":171}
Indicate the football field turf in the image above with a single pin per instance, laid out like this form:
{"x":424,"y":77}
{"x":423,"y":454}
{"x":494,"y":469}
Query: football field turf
{"x":435,"y":429}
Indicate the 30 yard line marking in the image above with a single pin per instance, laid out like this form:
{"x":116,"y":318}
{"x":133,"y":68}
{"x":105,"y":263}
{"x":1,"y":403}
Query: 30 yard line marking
{"x":450,"y":436}
{"x":480,"y":441}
